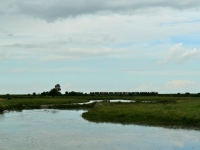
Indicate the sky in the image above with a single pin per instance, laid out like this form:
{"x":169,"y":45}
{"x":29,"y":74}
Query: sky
{"x":105,"y":46}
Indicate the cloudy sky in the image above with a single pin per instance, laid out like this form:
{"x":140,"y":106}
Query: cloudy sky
{"x":105,"y":45}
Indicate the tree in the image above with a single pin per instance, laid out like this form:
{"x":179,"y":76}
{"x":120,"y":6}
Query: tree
{"x":57,"y":87}
{"x":55,"y":91}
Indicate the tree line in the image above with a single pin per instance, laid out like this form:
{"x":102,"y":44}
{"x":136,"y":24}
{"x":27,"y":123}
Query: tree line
{"x":56,"y":92}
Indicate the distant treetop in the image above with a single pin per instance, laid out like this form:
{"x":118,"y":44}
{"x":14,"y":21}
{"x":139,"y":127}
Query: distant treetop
{"x":57,"y":87}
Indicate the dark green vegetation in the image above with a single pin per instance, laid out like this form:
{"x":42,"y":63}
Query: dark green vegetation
{"x":32,"y":102}
{"x":181,"y":112}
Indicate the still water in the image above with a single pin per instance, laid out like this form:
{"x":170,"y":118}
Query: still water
{"x":65,"y":129}
{"x":111,"y":101}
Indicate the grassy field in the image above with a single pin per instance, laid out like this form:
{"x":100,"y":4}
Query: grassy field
{"x":12,"y":102}
{"x":36,"y":102}
{"x":23,"y":101}
{"x":181,"y":112}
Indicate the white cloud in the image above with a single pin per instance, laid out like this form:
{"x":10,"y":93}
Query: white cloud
{"x":178,"y":54}
{"x":146,"y":88}
{"x":68,"y":38}
{"x":79,"y":53}
{"x":3,"y":55}
{"x":177,"y":85}
{"x":95,"y":30}
{"x":173,"y":86}
{"x":56,"y":52}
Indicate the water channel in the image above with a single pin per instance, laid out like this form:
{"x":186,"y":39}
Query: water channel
{"x":111,"y":101}
{"x":53,"y":129}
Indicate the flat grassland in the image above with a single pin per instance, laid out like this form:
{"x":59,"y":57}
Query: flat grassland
{"x":24,"y":102}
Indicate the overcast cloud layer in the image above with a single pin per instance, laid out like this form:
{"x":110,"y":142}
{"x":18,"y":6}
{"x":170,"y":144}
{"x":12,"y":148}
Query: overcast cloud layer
{"x":51,"y":10}
{"x":86,"y":45}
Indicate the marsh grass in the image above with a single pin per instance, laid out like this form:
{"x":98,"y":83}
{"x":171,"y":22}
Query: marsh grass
{"x":20,"y":103}
{"x":184,"y":113}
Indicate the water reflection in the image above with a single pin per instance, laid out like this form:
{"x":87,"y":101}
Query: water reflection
{"x":111,"y":101}
{"x":20,"y":110}
{"x":65,"y":129}
{"x":54,"y":111}
{"x":2,"y":116}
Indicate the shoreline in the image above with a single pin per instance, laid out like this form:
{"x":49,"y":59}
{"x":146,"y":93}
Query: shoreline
{"x":170,"y":112}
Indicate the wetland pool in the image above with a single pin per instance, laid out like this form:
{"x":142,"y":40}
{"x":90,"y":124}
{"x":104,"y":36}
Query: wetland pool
{"x":53,"y":129}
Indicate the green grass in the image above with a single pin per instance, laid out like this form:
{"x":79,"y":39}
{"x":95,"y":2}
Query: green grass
{"x":20,"y":103}
{"x":169,"y":112}
{"x":41,"y":101}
